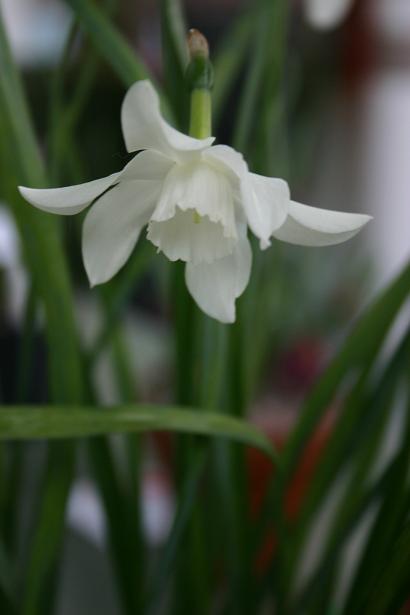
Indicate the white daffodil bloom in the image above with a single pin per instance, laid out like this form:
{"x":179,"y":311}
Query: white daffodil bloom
{"x":325,"y":14}
{"x":197,"y":200}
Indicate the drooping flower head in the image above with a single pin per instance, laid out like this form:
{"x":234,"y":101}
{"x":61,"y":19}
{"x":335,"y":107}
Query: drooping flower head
{"x":196,"y":199}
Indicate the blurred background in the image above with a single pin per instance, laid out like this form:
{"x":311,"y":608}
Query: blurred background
{"x":347,"y":147}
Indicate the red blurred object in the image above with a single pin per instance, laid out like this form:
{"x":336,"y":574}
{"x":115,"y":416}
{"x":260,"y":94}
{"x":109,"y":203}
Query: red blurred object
{"x":301,"y":364}
{"x":261,"y":472}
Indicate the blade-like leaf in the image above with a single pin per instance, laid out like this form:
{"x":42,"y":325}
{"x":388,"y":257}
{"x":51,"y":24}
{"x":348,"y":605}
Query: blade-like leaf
{"x":41,"y":241}
{"x":186,"y":504}
{"x":371,"y":498}
{"x":264,"y":72}
{"x":359,"y":349}
{"x":6,"y":584}
{"x":391,"y":518}
{"x":228,"y":61}
{"x":45,"y":261}
{"x":391,"y":589}
{"x":37,"y":422}
{"x":368,"y":416}
{"x":344,"y":446}
{"x":253,"y":81}
{"x":174,"y":59}
{"x":116,"y":293}
{"x":112,"y":46}
{"x":356,"y":357}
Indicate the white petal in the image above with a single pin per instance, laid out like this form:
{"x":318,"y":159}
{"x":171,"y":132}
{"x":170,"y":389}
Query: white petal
{"x":69,"y":200}
{"x":310,"y":226}
{"x":112,"y":227}
{"x":215,"y":286}
{"x":265,"y":200}
{"x":148,"y":164}
{"x":326,"y":13}
{"x":225,"y":158}
{"x":144,"y":127}
{"x":268,"y":207}
{"x":195,"y":217}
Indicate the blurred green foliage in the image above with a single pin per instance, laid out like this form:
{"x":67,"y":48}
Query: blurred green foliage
{"x":209,"y":561}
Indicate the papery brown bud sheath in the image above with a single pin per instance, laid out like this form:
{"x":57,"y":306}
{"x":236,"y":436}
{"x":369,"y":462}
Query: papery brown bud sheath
{"x":197,"y":44}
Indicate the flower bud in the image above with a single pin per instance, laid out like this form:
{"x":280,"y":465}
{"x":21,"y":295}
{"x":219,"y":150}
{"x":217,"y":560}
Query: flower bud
{"x":199,"y":73}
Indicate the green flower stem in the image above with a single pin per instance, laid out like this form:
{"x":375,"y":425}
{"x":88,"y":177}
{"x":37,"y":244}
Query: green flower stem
{"x":201,"y":114}
{"x":193,"y":595}
{"x":199,"y":78}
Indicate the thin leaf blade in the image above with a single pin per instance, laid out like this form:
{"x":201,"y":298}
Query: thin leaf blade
{"x":38,"y":422}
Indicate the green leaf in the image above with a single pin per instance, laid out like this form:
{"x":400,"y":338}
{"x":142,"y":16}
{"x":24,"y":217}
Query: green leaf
{"x":175,"y":59}
{"x":186,"y":502}
{"x":112,"y":46}
{"x":17,"y":116}
{"x":48,"y":269}
{"x":347,"y":447}
{"x":253,"y":81}
{"x":263,"y":79}
{"x":38,"y":422}
{"x":228,"y":61}
{"x":41,"y":241}
{"x":6,"y":583}
{"x":186,"y":316}
{"x":116,"y":293}
{"x":121,"y":523}
{"x":119,"y":496}
{"x":46,"y":542}
{"x":370,"y":500}
{"x":126,"y":523}
{"x":391,"y":518}
{"x":359,"y":350}
{"x":391,"y":589}
{"x":355,"y":359}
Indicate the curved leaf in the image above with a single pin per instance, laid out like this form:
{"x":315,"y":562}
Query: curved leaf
{"x":34,"y":422}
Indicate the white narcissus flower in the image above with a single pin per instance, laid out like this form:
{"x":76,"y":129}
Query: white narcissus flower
{"x":326,"y":14}
{"x":197,"y":199}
